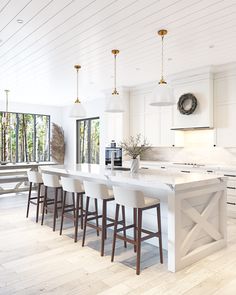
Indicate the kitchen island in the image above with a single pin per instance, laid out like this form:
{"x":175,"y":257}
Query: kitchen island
{"x":193,"y":206}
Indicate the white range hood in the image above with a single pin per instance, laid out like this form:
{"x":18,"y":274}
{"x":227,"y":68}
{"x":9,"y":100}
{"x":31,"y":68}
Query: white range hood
{"x":200,"y":83}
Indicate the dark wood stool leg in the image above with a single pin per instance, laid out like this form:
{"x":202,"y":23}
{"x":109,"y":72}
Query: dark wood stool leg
{"x":76,"y":216}
{"x":96,"y":214}
{"x":44,"y":203}
{"x":124,"y":224}
{"x":135,"y":227}
{"x":115,"y":230}
{"x":85,"y":219}
{"x":63,"y":211}
{"x":38,"y":202}
{"x":81,"y":211}
{"x":139,"y":241}
{"x":104,"y":217}
{"x":29,"y":197}
{"x":55,"y":209}
{"x":73,"y":203}
{"x":160,"y":234}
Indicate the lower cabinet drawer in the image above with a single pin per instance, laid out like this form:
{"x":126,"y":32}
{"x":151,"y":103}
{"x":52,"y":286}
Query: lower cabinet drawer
{"x":231,"y":187}
{"x":231,"y":201}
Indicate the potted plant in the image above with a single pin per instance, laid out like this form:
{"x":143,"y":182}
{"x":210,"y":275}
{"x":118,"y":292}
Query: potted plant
{"x":134,"y":146}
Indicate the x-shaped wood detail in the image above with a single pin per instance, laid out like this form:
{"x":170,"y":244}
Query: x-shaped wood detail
{"x":201,"y":222}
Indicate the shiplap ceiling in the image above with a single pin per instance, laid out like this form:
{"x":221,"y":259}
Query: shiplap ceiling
{"x":38,"y":55}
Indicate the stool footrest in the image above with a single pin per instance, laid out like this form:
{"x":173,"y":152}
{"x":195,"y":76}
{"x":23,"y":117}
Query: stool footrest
{"x":131,"y":241}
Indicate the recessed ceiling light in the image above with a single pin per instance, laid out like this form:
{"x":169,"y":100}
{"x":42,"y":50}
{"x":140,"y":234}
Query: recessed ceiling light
{"x":211,"y":46}
{"x":19,"y":21}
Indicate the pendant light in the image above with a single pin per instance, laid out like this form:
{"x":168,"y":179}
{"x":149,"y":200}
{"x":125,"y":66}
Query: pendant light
{"x":115,"y":101}
{"x":163,"y":94}
{"x":77,"y":110}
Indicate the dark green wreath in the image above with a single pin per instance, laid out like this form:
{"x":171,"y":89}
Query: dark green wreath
{"x":183,"y":98}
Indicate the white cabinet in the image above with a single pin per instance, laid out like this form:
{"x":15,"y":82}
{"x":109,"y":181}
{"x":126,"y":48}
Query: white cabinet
{"x":225,"y":123}
{"x":154,"y":123}
{"x":137,"y":115}
{"x":137,"y":125}
{"x":225,"y":107}
{"x":153,"y":128}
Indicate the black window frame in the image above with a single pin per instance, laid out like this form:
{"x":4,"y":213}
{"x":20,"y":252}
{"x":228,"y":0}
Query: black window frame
{"x":49,"y":134}
{"x":89,"y":138}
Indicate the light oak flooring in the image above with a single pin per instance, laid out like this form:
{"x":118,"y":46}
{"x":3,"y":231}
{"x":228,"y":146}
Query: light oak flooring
{"x":35,"y":260}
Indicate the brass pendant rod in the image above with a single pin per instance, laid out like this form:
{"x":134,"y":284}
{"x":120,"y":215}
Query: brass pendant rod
{"x":115,"y":52}
{"x":77,"y":67}
{"x":7,"y":91}
{"x":162,"y":33}
{"x":162,"y":58}
{"x":77,"y":89}
{"x":115,"y":73}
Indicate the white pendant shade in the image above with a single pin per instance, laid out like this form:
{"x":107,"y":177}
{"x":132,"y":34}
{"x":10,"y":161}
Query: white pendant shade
{"x":114,"y":104}
{"x":77,"y":110}
{"x":163,"y":95}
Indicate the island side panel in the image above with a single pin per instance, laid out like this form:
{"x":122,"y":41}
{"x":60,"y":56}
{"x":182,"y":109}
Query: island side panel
{"x":196,"y":222}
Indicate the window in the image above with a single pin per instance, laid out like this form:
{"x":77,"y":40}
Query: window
{"x":24,"y":137}
{"x":87,"y":134}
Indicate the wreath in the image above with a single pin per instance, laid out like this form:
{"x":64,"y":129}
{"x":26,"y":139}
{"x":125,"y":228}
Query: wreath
{"x":182,"y":104}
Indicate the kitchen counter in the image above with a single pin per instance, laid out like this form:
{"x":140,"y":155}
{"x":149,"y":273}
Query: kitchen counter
{"x":24,"y":165}
{"x":216,"y":167}
{"x":193,"y":206}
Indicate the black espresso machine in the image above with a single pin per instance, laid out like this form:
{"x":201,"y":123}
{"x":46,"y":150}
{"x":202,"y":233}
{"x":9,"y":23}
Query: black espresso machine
{"x":118,"y":154}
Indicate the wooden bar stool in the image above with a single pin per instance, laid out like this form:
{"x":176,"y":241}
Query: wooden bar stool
{"x":99,"y":191}
{"x":51,"y":181}
{"x":34,"y":177}
{"x":75,"y":187}
{"x":139,"y":203}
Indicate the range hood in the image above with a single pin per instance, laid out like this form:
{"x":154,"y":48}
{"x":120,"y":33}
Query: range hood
{"x":200,"y":84}
{"x":192,"y":128}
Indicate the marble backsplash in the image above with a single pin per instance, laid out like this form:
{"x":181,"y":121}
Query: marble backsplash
{"x":200,"y":155}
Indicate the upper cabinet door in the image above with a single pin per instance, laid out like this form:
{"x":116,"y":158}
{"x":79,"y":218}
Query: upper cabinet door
{"x":153,"y":128}
{"x":225,"y":123}
{"x":225,"y":107}
{"x":167,"y":135}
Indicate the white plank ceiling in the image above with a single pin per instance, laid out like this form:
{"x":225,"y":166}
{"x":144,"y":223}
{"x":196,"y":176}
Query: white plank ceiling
{"x":37,"y":56}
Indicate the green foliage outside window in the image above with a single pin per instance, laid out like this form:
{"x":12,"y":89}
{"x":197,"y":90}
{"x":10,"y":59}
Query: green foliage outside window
{"x":24,"y":137}
{"x":88,"y":141}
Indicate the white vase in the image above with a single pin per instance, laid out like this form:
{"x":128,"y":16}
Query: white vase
{"x":134,"y":165}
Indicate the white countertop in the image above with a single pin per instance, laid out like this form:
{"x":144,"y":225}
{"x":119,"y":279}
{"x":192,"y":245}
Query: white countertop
{"x":24,"y":165}
{"x":150,"y":178}
{"x":216,"y":167}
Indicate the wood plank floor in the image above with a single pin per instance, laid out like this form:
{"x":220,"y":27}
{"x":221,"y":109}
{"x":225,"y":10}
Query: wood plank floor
{"x":35,"y":260}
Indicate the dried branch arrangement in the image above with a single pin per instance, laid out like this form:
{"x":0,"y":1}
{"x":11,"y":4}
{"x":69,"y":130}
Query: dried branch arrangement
{"x":135,"y":146}
{"x":57,"y":144}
